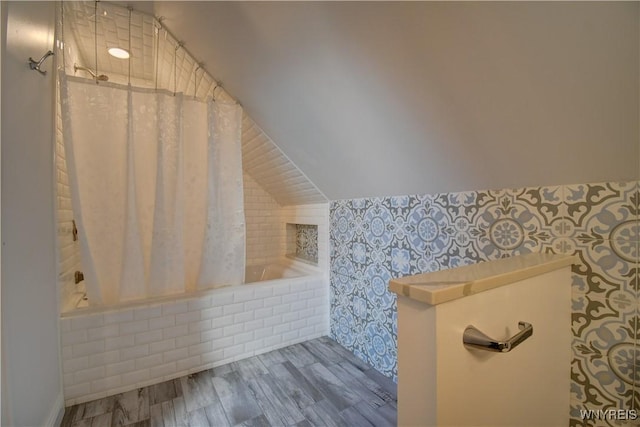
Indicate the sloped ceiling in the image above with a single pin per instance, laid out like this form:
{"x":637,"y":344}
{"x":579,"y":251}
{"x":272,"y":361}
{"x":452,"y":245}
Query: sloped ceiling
{"x":385,"y":98}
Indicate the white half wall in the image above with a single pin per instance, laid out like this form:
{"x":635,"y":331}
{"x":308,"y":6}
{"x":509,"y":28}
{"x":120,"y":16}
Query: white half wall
{"x":31,"y":379}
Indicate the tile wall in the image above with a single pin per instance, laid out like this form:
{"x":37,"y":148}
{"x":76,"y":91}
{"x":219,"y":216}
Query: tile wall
{"x":265,"y":235}
{"x":307,"y":242}
{"x":113,"y":351}
{"x":373,"y":240}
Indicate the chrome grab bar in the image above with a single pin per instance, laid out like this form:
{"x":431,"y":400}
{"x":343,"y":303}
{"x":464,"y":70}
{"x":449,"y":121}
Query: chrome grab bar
{"x":475,"y":339}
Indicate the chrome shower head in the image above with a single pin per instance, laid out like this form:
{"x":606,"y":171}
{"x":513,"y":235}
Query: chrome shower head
{"x":101,"y":77}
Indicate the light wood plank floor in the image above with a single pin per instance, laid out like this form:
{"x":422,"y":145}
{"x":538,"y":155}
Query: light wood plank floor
{"x":315,"y":383}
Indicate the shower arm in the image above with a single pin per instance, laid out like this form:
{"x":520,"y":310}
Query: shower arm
{"x":101,"y":77}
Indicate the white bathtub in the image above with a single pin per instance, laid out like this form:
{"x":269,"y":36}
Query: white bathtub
{"x":110,"y":350}
{"x":282,"y":270}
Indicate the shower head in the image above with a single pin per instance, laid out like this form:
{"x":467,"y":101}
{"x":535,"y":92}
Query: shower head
{"x":101,"y":77}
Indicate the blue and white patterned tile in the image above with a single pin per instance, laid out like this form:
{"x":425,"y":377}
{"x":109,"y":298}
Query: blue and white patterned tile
{"x":603,"y":369}
{"x":600,"y":270}
{"x":518,"y":221}
{"x":603,"y":210}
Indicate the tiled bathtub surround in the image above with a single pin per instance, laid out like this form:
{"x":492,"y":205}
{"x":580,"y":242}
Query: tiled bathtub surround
{"x":111,"y":352}
{"x":375,"y":239}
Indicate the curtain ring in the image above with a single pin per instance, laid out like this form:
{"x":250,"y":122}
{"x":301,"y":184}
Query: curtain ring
{"x":213,"y":92}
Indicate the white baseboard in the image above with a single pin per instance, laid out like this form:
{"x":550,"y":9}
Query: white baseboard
{"x":57,"y":412}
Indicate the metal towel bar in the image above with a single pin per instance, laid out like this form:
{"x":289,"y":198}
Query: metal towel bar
{"x":475,"y":339}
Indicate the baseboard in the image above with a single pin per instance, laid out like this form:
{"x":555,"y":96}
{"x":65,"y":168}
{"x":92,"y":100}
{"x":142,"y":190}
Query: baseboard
{"x":57,"y":412}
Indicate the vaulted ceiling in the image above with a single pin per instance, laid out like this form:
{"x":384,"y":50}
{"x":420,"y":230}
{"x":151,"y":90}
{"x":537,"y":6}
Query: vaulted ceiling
{"x":384,"y":98}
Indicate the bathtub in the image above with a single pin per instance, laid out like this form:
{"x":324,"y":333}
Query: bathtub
{"x":283,"y":269}
{"x":110,"y":350}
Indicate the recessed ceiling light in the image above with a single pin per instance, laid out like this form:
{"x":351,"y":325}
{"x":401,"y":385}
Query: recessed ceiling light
{"x":118,"y":53}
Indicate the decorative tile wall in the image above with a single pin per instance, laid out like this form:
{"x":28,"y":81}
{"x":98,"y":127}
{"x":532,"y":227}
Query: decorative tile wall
{"x":307,"y":242}
{"x":374,"y":240}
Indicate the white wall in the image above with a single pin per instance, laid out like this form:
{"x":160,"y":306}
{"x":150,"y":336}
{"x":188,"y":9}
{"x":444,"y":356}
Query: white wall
{"x":31,"y":386}
{"x":386,"y":98}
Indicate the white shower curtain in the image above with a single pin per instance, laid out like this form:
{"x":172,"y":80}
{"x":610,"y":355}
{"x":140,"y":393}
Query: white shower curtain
{"x":156,"y":188}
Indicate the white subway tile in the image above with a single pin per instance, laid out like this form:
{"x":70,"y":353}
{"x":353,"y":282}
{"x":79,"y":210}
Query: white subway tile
{"x":147,"y":312}
{"x":262,"y":313}
{"x":213,"y":357}
{"x":243,"y":337}
{"x":67,"y":352}
{"x":222,"y":342}
{"x":211,"y":334}
{"x":74,"y":337}
{"x":263,"y":292}
{"x":90,"y":374}
{"x":162,"y":322}
{"x":147,"y":337}
{"x":77,"y":390}
{"x":283,"y":327}
{"x":293,"y":296}
{"x":118,"y":316}
{"x":243,"y":317}
{"x":255,"y":345}
{"x":118,"y":342}
{"x":75,"y":364}
{"x":211,"y":313}
{"x":134,"y":352}
{"x":202,"y":325}
{"x":253,"y":304}
{"x":174,"y":308}
{"x":187,"y":340}
{"x":222,"y":299}
{"x":178,"y":353}
{"x":191,"y":316}
{"x":104,"y":358}
{"x":243,"y":294}
{"x":253,"y":325}
{"x":137,"y":377}
{"x":298,"y":305}
{"x":88,"y":348}
{"x":134,"y":327}
{"x":175,"y":331}
{"x":232,"y":330}
{"x":105,"y":384}
{"x":273,"y":340}
{"x":273,"y":320}
{"x":106,"y":331}
{"x":307,"y":332}
{"x":65,"y":325}
{"x":222,"y":321}
{"x":282,"y":289}
{"x":232,"y":308}
{"x":290,"y":336}
{"x":68,"y":379}
{"x":189,"y":363}
{"x":263,"y":332}
{"x":282,"y":308}
{"x":298,"y":324}
{"x":164,"y":345}
{"x":272,"y":301}
{"x":290,"y":316}
{"x":149,"y":361}
{"x":120,"y":367}
{"x":200,"y":303}
{"x":86,"y":322}
{"x":307,"y":312}
{"x":236,"y":350}
{"x":201,"y":348}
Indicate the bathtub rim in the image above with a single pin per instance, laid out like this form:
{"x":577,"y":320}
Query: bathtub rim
{"x":159,"y":300}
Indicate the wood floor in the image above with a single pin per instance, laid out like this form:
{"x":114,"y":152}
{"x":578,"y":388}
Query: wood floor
{"x":315,"y":383}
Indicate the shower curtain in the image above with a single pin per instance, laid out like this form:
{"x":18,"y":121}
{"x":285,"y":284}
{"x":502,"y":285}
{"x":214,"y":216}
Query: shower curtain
{"x":156,"y":188}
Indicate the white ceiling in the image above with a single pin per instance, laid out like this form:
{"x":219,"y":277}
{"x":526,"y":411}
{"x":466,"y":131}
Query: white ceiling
{"x":384,"y":98}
